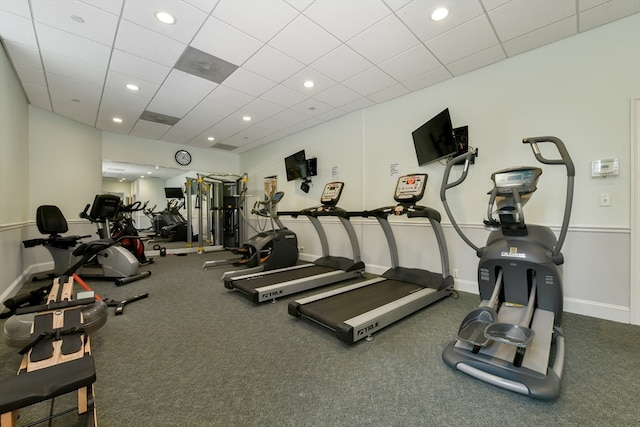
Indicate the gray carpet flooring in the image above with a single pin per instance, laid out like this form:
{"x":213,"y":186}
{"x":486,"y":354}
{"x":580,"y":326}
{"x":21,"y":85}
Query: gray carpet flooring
{"x":196,"y":354}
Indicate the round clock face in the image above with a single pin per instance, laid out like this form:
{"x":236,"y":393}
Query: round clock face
{"x":183,"y":157}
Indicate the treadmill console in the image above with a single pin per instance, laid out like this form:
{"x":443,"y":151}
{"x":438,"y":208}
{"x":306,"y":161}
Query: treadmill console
{"x":410,"y":188}
{"x":331,"y":193}
{"x":523,"y":180}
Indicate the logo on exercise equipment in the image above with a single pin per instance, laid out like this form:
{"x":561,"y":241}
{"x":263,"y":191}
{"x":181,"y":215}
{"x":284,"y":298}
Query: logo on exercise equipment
{"x":513,"y":253}
{"x":368,"y":328}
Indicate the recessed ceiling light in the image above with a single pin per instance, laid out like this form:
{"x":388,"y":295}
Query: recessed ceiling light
{"x":309,"y":84}
{"x":211,"y":138}
{"x":149,"y":173}
{"x":141,"y":176}
{"x":246,"y":118}
{"x":439,"y":14}
{"x":133,"y":87}
{"x":117,"y":119}
{"x":165,"y":18}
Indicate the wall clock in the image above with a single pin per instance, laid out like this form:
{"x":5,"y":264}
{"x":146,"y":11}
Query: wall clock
{"x":183,"y":157}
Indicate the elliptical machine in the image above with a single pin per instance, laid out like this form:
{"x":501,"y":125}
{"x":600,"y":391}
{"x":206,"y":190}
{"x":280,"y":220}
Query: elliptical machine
{"x":513,"y":339}
{"x":268,"y":249}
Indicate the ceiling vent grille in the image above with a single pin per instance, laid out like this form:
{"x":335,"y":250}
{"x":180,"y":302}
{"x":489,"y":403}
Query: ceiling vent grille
{"x":221,"y":146}
{"x":201,"y":64}
{"x":163,"y":119}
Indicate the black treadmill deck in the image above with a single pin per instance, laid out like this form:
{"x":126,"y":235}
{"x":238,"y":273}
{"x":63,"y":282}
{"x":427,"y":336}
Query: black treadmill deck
{"x":334,"y":311}
{"x":249,"y":285}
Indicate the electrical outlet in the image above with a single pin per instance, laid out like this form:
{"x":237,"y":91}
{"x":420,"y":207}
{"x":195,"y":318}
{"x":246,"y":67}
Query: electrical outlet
{"x":454,"y":273}
{"x":301,"y":249}
{"x":605,"y":200}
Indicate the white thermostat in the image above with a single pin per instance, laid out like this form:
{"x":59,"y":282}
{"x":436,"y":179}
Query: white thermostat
{"x":603,"y":168}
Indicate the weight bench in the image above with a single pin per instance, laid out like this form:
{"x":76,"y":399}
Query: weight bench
{"x":56,"y":361}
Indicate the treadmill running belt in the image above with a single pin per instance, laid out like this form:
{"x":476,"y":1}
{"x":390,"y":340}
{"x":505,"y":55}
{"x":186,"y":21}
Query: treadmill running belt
{"x":249,"y":285}
{"x":334,"y":310}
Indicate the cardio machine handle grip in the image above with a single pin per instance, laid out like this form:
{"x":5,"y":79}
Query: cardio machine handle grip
{"x":564,"y":154}
{"x":466,"y":158}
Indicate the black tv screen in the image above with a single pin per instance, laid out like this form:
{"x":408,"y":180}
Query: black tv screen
{"x":296,"y":166}
{"x":435,"y":140}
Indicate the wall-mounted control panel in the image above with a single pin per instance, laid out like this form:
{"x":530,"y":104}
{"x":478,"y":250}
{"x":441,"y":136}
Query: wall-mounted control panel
{"x":604,"y":168}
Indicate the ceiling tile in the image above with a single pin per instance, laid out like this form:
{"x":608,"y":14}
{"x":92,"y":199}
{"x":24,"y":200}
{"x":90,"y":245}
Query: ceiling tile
{"x":429,"y":78}
{"x":283,"y":96}
{"x":31,"y":76}
{"x":464,"y":40}
{"x":248,"y":82}
{"x":188,"y":18}
{"x":266,"y":19}
{"x":181,"y":81}
{"x":304,"y":41}
{"x":139,"y":69}
{"x":508,"y":26}
{"x":416,"y":16}
{"x":17,"y":29}
{"x":369,"y":81}
{"x":337,"y":95}
{"x":137,"y":40}
{"x":607,"y":12}
{"x":149,"y":130}
{"x":61,"y":43}
{"x":383,"y":40}
{"x":476,"y":60}
{"x":118,"y":82}
{"x":73,"y":69}
{"x":23,"y":55}
{"x":38,"y":96}
{"x":540,"y":37}
{"x":389,"y":93}
{"x":112,"y":6}
{"x":345,"y":19}
{"x":228,"y":96}
{"x":259,"y":109}
{"x":272,"y":64}
{"x":77,"y":18}
{"x":410,"y":63}
{"x":341,"y":63}
{"x":296,"y":82}
{"x":222,"y":40}
{"x":173,"y":102}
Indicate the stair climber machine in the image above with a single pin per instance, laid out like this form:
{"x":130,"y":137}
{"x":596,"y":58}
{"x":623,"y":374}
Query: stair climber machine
{"x":267,"y":250}
{"x":513,"y":340}
{"x":356,"y":311}
{"x":328,"y":269}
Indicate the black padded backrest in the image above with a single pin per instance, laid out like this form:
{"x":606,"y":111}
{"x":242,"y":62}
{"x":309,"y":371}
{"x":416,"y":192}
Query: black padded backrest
{"x":50,"y":220}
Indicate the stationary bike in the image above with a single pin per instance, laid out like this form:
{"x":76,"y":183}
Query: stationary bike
{"x":513,"y":339}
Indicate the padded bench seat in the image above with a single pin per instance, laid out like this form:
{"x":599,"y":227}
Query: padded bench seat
{"x":36,"y":386}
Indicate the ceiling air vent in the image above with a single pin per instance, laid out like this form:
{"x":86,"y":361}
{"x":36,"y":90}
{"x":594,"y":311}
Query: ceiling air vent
{"x":201,"y":64}
{"x":221,"y":146}
{"x":163,"y":119}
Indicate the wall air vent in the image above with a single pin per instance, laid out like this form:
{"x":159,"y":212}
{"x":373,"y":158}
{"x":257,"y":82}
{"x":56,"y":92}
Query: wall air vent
{"x":201,"y":64}
{"x":163,"y":119}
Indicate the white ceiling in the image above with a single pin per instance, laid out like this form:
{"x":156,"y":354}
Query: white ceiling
{"x":74,"y":58}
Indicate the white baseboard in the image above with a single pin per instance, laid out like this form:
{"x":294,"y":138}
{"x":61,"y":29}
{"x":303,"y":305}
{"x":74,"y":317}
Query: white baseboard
{"x":15,"y":286}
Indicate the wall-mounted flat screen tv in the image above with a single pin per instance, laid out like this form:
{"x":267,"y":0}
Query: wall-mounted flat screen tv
{"x":296,"y":166}
{"x":435,"y":139}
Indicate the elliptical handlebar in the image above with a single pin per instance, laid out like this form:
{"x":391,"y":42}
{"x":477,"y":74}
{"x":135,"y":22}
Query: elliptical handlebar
{"x":564,"y":154}
{"x":571,"y":172}
{"x":466,"y":157}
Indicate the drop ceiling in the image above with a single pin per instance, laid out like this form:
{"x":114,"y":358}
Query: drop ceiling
{"x":75,"y":58}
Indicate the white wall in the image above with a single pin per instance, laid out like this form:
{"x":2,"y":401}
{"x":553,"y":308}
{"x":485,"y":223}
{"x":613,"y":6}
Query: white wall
{"x":577,"y":89}
{"x":14,"y":174}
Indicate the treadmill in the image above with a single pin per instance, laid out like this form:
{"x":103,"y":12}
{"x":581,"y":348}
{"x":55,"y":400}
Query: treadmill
{"x":270,"y":285}
{"x":357,"y":311}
